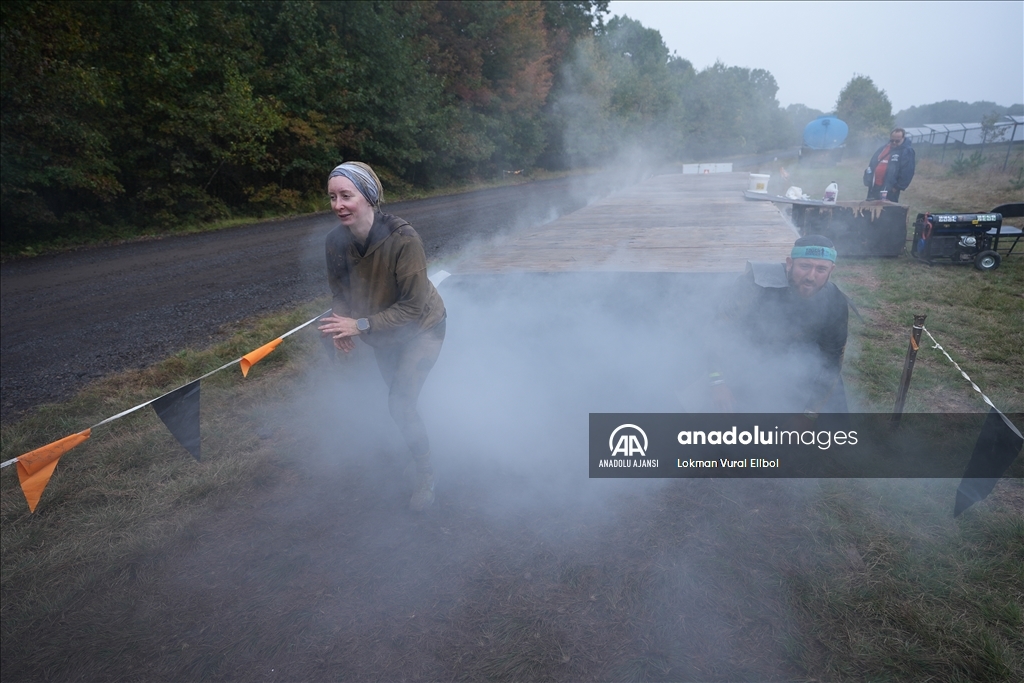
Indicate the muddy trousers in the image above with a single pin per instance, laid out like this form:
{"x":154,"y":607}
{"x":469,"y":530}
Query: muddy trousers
{"x":405,"y":368}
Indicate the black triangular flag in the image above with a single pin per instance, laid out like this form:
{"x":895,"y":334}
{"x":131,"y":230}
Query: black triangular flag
{"x":179,"y":410}
{"x":996,"y":448}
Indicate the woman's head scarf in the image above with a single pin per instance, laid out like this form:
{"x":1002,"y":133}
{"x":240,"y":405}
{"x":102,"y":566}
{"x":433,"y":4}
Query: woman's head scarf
{"x":363,"y":177}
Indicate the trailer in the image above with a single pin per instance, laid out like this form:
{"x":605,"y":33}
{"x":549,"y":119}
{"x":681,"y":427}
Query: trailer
{"x":862,"y":228}
{"x":673,"y":223}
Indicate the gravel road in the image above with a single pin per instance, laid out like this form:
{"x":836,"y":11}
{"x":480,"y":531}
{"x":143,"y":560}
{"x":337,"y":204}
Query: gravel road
{"x":71,"y":318}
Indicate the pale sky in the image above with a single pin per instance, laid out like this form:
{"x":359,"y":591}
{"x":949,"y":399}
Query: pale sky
{"x":918,"y":52}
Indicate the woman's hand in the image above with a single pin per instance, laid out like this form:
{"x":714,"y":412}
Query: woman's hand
{"x":342,"y":330}
{"x":344,"y":344}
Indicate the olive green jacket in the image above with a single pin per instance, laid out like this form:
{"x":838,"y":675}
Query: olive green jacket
{"x":385,"y":283}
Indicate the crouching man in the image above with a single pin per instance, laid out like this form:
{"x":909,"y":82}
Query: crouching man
{"x":781,"y":336}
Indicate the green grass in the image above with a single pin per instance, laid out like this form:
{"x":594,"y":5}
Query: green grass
{"x":923,"y":598}
{"x":977,"y":317}
{"x":131,"y":486}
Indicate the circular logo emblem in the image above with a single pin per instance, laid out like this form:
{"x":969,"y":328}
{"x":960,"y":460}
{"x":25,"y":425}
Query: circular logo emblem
{"x":628,"y":442}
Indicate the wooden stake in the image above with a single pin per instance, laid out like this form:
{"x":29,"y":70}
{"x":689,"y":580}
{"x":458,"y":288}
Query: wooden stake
{"x":908,"y":368}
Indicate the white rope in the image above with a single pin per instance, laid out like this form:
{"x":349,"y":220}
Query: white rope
{"x":292,"y":331}
{"x":154,"y":400}
{"x":975,"y":386}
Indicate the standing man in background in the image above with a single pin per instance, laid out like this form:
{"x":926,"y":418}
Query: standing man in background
{"x":891,"y":168}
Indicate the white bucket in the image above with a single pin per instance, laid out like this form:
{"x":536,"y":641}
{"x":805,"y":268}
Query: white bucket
{"x":759,"y":182}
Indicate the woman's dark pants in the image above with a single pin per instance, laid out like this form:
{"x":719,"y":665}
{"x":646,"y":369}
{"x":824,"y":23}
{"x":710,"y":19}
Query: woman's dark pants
{"x":405,"y":368}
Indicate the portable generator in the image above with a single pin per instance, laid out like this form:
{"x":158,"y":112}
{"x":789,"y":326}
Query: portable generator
{"x":962,"y":238}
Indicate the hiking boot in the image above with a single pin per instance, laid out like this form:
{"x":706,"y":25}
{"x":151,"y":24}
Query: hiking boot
{"x":423,"y":493}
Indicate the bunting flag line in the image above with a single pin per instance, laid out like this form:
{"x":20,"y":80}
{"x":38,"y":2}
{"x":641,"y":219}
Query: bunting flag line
{"x":996,"y":448}
{"x":36,"y":467}
{"x":178,"y":409}
{"x":998,"y":445}
{"x":253,"y":357}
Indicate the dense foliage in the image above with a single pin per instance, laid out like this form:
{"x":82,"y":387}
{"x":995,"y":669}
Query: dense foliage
{"x":150,"y":113}
{"x":865,"y":108}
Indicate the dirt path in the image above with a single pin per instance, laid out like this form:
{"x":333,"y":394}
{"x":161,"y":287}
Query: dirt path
{"x":73,"y":317}
{"x":349,"y":586}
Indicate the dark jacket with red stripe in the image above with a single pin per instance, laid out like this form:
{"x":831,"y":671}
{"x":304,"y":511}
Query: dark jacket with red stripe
{"x":900,"y":172}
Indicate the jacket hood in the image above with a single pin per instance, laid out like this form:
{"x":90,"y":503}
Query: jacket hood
{"x":383,"y":225}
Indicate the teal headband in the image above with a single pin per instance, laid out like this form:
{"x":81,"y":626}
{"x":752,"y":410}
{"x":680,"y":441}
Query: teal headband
{"x":814,"y":251}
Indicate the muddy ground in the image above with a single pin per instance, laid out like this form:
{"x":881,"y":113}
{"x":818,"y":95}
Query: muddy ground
{"x":656,"y":583}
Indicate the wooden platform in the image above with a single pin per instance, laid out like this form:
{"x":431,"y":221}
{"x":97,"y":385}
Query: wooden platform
{"x":670,"y":223}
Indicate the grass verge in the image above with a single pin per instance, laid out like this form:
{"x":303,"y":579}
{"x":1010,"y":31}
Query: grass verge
{"x":975,"y":316}
{"x":107,"y":235}
{"x":117,"y":502}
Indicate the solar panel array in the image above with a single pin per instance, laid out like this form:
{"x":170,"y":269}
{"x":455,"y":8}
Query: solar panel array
{"x":1009,"y":128}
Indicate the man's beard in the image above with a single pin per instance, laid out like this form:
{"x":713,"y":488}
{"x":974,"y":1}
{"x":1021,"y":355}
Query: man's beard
{"x":794,"y":286}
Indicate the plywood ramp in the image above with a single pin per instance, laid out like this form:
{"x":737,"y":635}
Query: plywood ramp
{"x":669,"y":223}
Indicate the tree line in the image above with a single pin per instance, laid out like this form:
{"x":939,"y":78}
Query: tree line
{"x":140,"y":114}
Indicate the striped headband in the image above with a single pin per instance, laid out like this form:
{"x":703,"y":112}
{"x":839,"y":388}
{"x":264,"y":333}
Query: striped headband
{"x":362,"y":178}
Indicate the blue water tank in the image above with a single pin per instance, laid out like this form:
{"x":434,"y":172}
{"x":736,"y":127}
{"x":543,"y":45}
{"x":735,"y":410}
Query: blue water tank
{"x":825,"y":132}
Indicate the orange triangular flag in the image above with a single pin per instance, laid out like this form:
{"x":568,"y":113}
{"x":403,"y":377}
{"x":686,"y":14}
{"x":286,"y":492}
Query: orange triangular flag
{"x":253,"y":357}
{"x":36,"y":467}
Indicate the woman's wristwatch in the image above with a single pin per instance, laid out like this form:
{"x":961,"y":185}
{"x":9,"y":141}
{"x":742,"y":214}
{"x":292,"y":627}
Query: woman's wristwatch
{"x":363,"y":324}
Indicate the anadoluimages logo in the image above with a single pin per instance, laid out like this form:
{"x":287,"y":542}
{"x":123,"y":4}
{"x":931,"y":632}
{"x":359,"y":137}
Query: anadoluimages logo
{"x":628,"y":444}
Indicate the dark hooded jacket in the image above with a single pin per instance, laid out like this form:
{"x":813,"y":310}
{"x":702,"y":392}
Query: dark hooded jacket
{"x":763,"y":313}
{"x":386,"y":282}
{"x":900,"y":171}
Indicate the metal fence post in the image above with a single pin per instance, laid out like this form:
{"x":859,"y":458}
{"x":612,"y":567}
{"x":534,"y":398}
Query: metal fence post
{"x":1010,"y":146}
